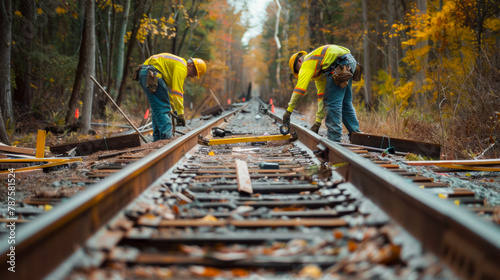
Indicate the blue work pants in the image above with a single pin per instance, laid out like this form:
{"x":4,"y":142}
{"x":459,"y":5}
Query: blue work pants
{"x":338,"y":104}
{"x":160,"y":106}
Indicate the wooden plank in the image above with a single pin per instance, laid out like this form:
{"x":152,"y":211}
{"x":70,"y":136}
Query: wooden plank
{"x":460,"y":162}
{"x":471,"y":168}
{"x":17,"y":150}
{"x":248,"y":139}
{"x":307,"y":222}
{"x":288,"y":175}
{"x":119,"y":153}
{"x":243,"y":177}
{"x":89,"y":147}
{"x":260,"y":188}
{"x":214,"y":111}
{"x":432,"y":150}
{"x":40,"y":143}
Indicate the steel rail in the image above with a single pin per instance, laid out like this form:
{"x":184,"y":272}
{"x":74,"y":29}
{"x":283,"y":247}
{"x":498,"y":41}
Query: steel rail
{"x":468,"y":245}
{"x":43,"y":244}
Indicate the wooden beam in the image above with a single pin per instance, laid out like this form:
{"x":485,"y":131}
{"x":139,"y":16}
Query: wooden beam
{"x":248,"y":139}
{"x":17,"y":150}
{"x":40,"y":143}
{"x":243,"y":177}
{"x":90,"y":147}
{"x":494,"y":161}
{"x":214,"y":111}
{"x":432,"y":150}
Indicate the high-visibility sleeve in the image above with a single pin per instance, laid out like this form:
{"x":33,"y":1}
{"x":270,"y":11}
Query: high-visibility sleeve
{"x":312,"y":66}
{"x":305,"y":76}
{"x":177,"y":94}
{"x":320,"y":86}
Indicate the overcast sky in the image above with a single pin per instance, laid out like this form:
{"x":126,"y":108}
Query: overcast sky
{"x":257,"y":12}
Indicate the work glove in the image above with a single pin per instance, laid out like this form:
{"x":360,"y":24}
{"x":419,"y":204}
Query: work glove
{"x":315,"y":127}
{"x":181,"y":121}
{"x":286,"y":118}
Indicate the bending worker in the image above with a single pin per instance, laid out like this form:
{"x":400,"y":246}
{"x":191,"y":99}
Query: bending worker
{"x":162,"y":79}
{"x":333,"y":94}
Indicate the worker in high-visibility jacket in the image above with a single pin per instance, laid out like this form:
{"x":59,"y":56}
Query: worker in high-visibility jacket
{"x":336,"y":100}
{"x":162,"y":79}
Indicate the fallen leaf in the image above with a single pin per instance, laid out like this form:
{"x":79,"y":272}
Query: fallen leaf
{"x":204,"y":271}
{"x":310,"y":271}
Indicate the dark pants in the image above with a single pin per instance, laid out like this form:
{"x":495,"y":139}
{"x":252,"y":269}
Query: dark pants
{"x":160,"y":107}
{"x":338,"y":105}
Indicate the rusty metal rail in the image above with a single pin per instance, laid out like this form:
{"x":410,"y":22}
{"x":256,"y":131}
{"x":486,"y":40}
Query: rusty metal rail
{"x":469,"y":246}
{"x":42,"y":245}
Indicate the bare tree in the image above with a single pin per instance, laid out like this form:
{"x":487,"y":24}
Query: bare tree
{"x":5,"y":57}
{"x":366,"y":61}
{"x":121,"y":45}
{"x":4,"y":137}
{"x":89,"y":69}
{"x":141,"y":7}
{"x":80,"y":69}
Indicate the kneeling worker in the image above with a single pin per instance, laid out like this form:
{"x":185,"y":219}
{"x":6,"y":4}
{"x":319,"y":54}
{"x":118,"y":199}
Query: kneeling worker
{"x":162,"y":79}
{"x":334,"y":95}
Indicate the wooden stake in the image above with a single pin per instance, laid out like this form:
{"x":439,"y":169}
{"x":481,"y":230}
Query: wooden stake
{"x":40,"y":144}
{"x":110,"y":98}
{"x":243,"y":177}
{"x":216,"y":99}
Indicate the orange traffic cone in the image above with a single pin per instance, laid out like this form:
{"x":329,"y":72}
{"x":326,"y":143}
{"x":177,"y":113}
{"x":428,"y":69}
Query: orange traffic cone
{"x":272,"y":105}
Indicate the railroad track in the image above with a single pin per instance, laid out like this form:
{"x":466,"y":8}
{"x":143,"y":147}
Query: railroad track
{"x":188,"y":211}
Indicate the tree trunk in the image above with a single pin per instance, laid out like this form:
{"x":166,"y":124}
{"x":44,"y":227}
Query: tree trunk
{"x":420,"y":75}
{"x":121,"y":45}
{"x":139,"y":11}
{"x":4,"y":137}
{"x":5,"y":57}
{"x":23,"y":64}
{"x":366,"y":61}
{"x":278,"y":46}
{"x":89,"y":69}
{"x":77,"y":84}
{"x":392,"y":49}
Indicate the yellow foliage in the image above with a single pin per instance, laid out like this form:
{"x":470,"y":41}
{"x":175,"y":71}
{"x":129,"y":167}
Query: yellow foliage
{"x":384,"y":84}
{"x":403,"y":94}
{"x":39,"y":11}
{"x":60,"y":10}
{"x":18,"y":13}
{"x":118,"y":8}
{"x":493,"y":24}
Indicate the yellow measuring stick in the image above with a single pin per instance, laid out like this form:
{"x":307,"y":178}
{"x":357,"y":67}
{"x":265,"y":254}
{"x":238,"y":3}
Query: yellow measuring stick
{"x":471,"y":168}
{"x":14,"y":160}
{"x":248,"y":139}
{"x":42,"y":166}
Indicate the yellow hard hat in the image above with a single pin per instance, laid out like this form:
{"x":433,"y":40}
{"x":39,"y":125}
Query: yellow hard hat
{"x":200,"y":65}
{"x":293,"y":61}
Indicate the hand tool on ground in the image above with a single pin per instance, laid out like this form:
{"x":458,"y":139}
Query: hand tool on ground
{"x":216,"y":99}
{"x":135,"y":128}
{"x":219,"y":132}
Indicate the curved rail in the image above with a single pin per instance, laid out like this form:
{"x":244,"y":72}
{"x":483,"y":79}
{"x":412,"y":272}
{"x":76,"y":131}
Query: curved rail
{"x":470,"y":246}
{"x":45,"y":243}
